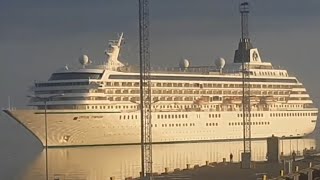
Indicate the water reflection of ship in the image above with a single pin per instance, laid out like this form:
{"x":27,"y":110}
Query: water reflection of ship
{"x":123,"y":161}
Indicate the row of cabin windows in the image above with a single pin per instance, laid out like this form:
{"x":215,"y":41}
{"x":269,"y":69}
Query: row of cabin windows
{"x":214,"y":115}
{"x":61,"y":84}
{"x":203,"y":85}
{"x":268,"y":73}
{"x":112,"y":107}
{"x":299,"y":98}
{"x":128,"y":117}
{"x":62,"y":91}
{"x":190,"y":91}
{"x":218,"y":115}
{"x":286,"y":105}
{"x":172,"y":116}
{"x":154,"y":106}
{"x":175,"y":125}
{"x":182,"y":106}
{"x":177,"y":98}
{"x":200,"y":85}
{"x":211,"y":124}
{"x":178,"y":125}
{"x":298,"y":92}
{"x":136,"y":84}
{"x":291,"y":114}
{"x":252,"y":115}
{"x":129,"y":84}
{"x":178,"y":106}
{"x":251,"y":123}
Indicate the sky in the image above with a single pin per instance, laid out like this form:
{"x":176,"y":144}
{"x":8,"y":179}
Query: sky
{"x":40,"y":37}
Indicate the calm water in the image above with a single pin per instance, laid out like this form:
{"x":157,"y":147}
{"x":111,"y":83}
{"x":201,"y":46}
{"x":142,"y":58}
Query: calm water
{"x":21,"y":157}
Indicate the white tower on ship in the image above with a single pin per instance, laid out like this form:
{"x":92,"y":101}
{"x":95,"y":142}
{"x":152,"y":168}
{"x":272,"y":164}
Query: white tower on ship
{"x":112,"y":53}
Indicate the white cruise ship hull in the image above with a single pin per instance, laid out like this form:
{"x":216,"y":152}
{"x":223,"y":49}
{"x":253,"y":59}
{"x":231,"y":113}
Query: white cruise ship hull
{"x":86,"y":128}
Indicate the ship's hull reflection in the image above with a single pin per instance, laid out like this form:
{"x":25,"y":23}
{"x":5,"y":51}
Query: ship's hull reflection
{"x":95,"y":163}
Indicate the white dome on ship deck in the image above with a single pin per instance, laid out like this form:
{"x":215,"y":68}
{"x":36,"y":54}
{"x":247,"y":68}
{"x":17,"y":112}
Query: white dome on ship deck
{"x":184,"y":63}
{"x":84,"y":59}
{"x":220,"y":62}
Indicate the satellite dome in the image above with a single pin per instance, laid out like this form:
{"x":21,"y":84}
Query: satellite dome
{"x":184,"y":63}
{"x":220,"y":62}
{"x":84,"y":60}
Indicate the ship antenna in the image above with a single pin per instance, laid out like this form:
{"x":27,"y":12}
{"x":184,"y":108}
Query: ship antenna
{"x":120,"y":40}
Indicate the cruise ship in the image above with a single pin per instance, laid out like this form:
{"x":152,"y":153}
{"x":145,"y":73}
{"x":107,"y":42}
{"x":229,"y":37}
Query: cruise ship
{"x":99,"y":104}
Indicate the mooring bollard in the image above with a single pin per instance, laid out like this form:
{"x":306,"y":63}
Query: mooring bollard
{"x":281,"y":173}
{"x":166,"y":170}
{"x":264,"y":177}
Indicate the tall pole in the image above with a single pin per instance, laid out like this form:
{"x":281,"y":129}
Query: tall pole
{"x":45,"y":100}
{"x":141,"y":89}
{"x":46,"y":134}
{"x":282,"y":146}
{"x":246,"y":106}
{"x":145,"y":91}
{"x":9,"y":103}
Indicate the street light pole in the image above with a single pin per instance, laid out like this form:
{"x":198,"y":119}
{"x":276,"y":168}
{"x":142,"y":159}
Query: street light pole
{"x":282,"y":151}
{"x":282,"y":146}
{"x":46,"y":132}
{"x":45,"y":100}
{"x":290,"y":146}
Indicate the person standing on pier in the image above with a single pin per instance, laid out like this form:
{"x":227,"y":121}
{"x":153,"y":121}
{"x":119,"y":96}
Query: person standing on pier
{"x":231,"y":157}
{"x":294,"y":156}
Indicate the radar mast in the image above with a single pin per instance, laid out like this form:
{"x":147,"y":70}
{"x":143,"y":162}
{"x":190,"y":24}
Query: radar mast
{"x":112,"y":53}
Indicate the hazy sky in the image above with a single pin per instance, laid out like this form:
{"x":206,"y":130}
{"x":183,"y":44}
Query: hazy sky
{"x":39,"y":37}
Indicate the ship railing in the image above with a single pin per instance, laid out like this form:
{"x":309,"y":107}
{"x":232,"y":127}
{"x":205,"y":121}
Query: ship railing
{"x":231,"y":68}
{"x":177,"y":70}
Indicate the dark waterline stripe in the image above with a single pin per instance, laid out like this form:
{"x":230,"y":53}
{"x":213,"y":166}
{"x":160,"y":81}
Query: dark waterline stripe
{"x":81,"y":112}
{"x":168,"y":142}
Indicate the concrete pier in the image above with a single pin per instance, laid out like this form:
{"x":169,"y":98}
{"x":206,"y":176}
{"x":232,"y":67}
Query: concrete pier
{"x":301,"y":169}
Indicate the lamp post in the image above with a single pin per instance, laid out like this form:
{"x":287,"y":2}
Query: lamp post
{"x":290,"y":146}
{"x":297,"y":145}
{"x":45,"y":100}
{"x":282,"y":151}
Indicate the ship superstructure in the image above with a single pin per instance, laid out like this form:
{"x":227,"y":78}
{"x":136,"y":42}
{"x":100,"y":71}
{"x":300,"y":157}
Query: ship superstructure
{"x":100,"y":104}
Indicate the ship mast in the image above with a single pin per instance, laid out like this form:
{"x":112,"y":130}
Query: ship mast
{"x":112,"y":54}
